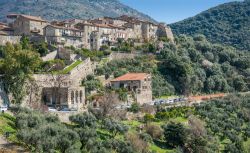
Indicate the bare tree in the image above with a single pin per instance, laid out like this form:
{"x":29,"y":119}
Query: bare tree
{"x":107,"y":105}
{"x":197,"y":127}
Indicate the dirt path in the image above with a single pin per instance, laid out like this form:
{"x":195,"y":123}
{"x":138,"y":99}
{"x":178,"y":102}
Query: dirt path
{"x":7,"y":147}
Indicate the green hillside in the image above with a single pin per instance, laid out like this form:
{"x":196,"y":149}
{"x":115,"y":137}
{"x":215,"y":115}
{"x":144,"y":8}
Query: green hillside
{"x":227,"y":23}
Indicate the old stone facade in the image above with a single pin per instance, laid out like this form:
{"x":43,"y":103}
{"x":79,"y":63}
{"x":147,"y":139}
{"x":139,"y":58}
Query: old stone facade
{"x":90,"y":34}
{"x":137,"y":83}
{"x":27,"y":25}
{"x":5,"y":30}
{"x":65,"y":36}
{"x":65,"y":90}
{"x":10,"y":39}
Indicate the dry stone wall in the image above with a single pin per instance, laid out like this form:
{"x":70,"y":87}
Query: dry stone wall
{"x":10,"y":39}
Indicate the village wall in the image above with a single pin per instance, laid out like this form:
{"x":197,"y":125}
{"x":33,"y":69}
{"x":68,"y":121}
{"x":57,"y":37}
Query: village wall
{"x":118,"y":56}
{"x":10,"y":39}
{"x":84,"y":69}
{"x":50,"y":56}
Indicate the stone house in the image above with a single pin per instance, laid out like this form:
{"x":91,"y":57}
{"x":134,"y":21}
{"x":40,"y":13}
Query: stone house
{"x":108,"y":21}
{"x":90,"y":34}
{"x":5,"y":30}
{"x":65,"y":36}
{"x":165,"y":31}
{"x":65,"y":90}
{"x":149,"y":31}
{"x":27,"y":25}
{"x":60,"y":91}
{"x":137,"y":83}
{"x":136,"y":32}
{"x":7,"y":35}
{"x":96,"y":35}
{"x":88,"y":29}
{"x":68,"y":23}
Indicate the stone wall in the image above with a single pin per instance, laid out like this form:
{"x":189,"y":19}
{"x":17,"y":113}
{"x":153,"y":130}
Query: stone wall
{"x":84,"y":69}
{"x":11,"y":39}
{"x":50,"y":56}
{"x":37,"y":39}
{"x":165,"y":31}
{"x":118,"y":56}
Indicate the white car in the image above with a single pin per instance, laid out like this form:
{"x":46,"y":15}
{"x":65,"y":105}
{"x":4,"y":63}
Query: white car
{"x":3,"y":108}
{"x":170,"y":101}
{"x":52,"y":109}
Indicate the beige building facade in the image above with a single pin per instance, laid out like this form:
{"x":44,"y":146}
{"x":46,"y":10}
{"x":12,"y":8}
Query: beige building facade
{"x":89,"y":34}
{"x":138,"y":84}
{"x":27,"y":25}
{"x":65,"y":36}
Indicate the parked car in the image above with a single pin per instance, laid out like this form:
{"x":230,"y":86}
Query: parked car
{"x":157,"y":103}
{"x":52,"y":109}
{"x":3,"y":108}
{"x":161,"y":101}
{"x":176,"y":100}
{"x":170,"y":101}
{"x":65,"y":110}
{"x":73,"y":109}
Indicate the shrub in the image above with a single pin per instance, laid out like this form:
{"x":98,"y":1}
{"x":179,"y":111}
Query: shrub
{"x":135,"y":108}
{"x":154,"y":131}
{"x":137,"y":143}
{"x":175,"y":134}
{"x":148,"y":118}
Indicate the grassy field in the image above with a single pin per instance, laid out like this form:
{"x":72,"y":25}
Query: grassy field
{"x":69,"y":68}
{"x":7,"y":124}
{"x":247,"y":145}
{"x":158,"y":147}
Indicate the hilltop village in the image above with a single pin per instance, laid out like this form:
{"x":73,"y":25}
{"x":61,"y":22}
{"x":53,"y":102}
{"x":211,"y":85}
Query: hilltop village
{"x":89,"y":34}
{"x":65,"y":90}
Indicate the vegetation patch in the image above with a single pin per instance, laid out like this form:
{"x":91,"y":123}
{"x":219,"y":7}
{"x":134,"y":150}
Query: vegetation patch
{"x":69,"y":68}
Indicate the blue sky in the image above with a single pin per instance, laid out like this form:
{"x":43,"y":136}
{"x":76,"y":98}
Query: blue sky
{"x":171,"y":11}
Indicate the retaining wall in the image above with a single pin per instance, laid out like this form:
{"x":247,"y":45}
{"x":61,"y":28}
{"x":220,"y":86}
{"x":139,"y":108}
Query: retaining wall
{"x":10,"y":39}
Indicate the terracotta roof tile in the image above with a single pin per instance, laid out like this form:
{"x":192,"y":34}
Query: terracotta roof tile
{"x":33,"y":18}
{"x":66,"y":28}
{"x":131,"y":77}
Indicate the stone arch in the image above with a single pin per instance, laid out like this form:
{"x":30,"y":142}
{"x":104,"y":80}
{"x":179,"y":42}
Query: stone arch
{"x":72,"y":97}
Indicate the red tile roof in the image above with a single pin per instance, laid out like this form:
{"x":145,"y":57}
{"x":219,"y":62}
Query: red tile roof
{"x":29,"y":17}
{"x":131,"y":77}
{"x":66,"y":28}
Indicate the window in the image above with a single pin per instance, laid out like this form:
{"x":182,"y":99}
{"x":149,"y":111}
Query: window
{"x":76,"y":96}
{"x":72,"y":97}
{"x":81,"y":96}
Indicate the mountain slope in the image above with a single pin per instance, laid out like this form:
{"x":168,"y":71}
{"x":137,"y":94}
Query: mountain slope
{"x":65,"y":9}
{"x":227,"y":23}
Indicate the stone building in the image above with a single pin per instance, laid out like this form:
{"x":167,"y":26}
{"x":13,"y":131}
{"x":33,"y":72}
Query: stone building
{"x":65,"y":90}
{"x":27,"y":25}
{"x":149,"y":31}
{"x":7,"y":35}
{"x":64,"y":36}
{"x":137,"y":83}
{"x":90,"y":34}
{"x":165,"y":31}
{"x":5,"y":30}
{"x":60,"y":91}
